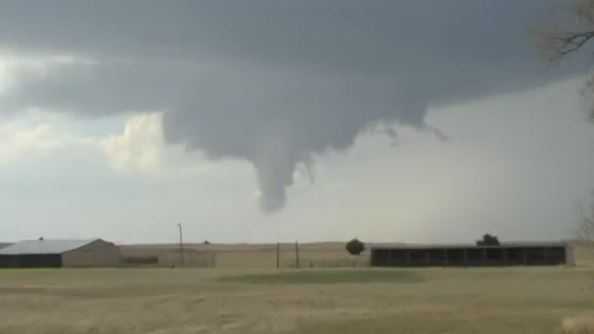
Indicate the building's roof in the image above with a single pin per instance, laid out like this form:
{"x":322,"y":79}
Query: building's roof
{"x":44,"y":246}
{"x":450,"y":246}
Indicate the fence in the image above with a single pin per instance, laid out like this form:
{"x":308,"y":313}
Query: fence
{"x":512,"y":255}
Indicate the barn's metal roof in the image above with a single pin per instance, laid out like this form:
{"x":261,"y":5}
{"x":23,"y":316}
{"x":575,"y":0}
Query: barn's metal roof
{"x":44,"y":246}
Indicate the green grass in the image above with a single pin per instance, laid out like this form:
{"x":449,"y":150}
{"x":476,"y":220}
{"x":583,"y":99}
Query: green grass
{"x":327,"y":277}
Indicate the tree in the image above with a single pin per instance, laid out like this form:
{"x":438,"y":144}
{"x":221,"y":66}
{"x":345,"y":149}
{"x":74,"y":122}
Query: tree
{"x":562,"y":43}
{"x":585,"y":230}
{"x":566,"y":41}
{"x":355,"y":247}
{"x":488,"y":240}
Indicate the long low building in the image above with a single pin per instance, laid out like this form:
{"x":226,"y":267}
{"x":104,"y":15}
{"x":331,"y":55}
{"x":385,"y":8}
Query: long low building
{"x":512,"y":254}
{"x":60,"y":253}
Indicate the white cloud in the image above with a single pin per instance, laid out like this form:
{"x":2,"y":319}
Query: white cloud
{"x":36,"y":135}
{"x":140,"y":147}
{"x":137,"y":149}
{"x":17,"y":143}
{"x":39,"y":135}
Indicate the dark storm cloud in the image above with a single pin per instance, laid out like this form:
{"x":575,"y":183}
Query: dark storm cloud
{"x":274,"y":81}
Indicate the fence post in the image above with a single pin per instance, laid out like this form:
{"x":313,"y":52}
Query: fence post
{"x":277,"y":255}
{"x":297,"y":255}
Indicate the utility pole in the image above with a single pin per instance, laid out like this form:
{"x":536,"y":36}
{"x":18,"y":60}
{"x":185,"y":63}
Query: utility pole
{"x":181,"y":244}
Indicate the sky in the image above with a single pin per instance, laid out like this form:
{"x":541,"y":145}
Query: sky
{"x":409,"y":121}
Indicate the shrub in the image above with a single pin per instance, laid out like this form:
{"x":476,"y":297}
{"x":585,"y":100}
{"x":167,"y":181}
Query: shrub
{"x":488,"y":240}
{"x":355,"y":247}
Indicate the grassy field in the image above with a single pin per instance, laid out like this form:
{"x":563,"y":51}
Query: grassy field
{"x":161,"y":301}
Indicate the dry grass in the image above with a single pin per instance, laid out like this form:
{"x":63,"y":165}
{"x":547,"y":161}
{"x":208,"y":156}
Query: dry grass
{"x":535,"y":300}
{"x":582,"y":324}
